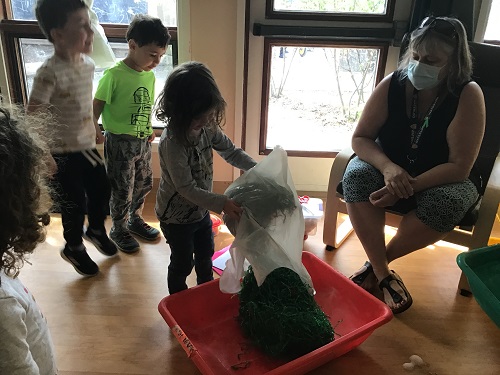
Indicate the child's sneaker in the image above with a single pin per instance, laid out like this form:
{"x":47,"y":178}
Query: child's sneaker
{"x":80,"y":261}
{"x":124,"y":241}
{"x":143,"y":229}
{"x":101,"y":242}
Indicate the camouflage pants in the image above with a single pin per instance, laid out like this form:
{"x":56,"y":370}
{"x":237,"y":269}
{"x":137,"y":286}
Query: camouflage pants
{"x":128,"y":165}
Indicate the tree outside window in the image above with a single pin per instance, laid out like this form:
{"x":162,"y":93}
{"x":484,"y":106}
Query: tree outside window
{"x":315,"y":87}
{"x":332,"y":6}
{"x":316,"y":94}
{"x":110,"y":11}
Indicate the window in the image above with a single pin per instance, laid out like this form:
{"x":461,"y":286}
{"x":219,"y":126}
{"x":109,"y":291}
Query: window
{"x":36,"y":51}
{"x":360,"y":10}
{"x":26,"y":47}
{"x":492,"y":33}
{"x":109,"y":11}
{"x":317,"y":78}
{"x":316,"y":93}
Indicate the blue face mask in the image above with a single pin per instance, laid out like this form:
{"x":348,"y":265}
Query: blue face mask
{"x":423,"y":76}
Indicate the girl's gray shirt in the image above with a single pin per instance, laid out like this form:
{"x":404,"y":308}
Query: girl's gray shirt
{"x":185,"y":192}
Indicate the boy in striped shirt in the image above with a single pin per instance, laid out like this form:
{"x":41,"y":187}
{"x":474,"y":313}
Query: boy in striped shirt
{"x":63,"y":87}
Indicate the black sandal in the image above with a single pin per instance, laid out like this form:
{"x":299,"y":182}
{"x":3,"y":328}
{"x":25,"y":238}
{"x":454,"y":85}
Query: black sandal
{"x":396,"y":297}
{"x":360,"y":279}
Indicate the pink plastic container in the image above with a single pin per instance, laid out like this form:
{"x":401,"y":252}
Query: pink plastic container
{"x":203,"y":319}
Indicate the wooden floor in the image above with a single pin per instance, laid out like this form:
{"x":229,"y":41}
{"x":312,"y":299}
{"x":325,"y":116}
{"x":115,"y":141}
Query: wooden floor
{"x":109,"y":324}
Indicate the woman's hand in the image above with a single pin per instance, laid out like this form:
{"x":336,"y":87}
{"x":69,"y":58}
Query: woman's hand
{"x":398,"y":181}
{"x":233,"y":210}
{"x":383,"y":198}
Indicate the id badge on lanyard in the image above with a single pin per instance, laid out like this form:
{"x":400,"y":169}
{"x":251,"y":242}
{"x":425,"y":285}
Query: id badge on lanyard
{"x":416,"y":129}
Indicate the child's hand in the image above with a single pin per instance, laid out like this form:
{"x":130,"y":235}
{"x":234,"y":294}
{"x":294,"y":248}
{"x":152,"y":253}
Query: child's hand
{"x":233,"y":210}
{"x":152,"y":137}
{"x":99,"y":137}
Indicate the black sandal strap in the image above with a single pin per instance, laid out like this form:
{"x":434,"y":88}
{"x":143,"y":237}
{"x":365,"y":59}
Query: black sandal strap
{"x":397,"y":297}
{"x":360,"y":279}
{"x":386,"y":284}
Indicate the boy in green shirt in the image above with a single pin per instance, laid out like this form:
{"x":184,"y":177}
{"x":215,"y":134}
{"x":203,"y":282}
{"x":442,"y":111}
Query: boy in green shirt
{"x":125,"y":97}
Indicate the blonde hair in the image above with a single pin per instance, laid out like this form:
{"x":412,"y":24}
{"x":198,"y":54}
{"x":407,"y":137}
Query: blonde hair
{"x":456,"y":47}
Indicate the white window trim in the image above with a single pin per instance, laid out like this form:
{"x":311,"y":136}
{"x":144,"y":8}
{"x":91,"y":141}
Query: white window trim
{"x":4,"y":82}
{"x":484,"y":14}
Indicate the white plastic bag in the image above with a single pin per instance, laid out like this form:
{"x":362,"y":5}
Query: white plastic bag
{"x":102,"y":53}
{"x":271,"y":230}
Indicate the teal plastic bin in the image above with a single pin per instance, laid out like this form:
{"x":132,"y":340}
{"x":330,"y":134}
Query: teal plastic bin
{"x":482,"y":268}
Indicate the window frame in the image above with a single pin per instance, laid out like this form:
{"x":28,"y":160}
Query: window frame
{"x":330,"y":16}
{"x":492,"y":41}
{"x":269,"y":43}
{"x":14,"y":30}
{"x":296,"y":28}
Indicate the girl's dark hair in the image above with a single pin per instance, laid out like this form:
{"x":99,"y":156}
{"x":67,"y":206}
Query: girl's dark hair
{"x":144,"y":29}
{"x":455,"y":45}
{"x":25,"y":198}
{"x":190,"y":92}
{"x":53,"y":14}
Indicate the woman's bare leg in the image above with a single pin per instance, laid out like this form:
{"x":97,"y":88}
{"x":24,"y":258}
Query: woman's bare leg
{"x":411,"y":235}
{"x":368,"y":222}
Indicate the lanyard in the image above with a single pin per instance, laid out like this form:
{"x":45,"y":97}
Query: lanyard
{"x":416,"y":130}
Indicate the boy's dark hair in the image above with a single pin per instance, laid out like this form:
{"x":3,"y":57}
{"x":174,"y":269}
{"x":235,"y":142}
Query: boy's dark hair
{"x":190,"y":91}
{"x":53,"y":14}
{"x":144,"y":29}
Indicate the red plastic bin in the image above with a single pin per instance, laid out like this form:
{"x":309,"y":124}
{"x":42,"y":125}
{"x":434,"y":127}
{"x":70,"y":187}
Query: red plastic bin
{"x":203,"y":319}
{"x":216,"y":223}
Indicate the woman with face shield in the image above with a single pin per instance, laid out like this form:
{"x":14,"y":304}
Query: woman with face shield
{"x":416,"y":142}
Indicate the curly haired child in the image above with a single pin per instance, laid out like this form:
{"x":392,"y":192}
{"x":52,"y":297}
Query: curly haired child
{"x":25,"y":344}
{"x":193,"y":108}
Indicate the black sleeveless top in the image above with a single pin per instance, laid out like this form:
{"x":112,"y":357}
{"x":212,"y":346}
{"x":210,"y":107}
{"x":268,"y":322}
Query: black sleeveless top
{"x":395,"y":134}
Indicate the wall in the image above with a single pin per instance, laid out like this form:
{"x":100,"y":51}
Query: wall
{"x":212,"y":32}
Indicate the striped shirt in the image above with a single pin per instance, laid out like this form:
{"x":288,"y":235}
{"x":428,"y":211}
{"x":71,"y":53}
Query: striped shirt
{"x":67,"y":89}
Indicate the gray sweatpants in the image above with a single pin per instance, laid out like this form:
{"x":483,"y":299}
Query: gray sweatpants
{"x":128,"y":165}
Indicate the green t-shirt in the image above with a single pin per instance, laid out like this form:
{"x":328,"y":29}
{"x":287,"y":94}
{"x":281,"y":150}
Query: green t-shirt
{"x":129,"y":97}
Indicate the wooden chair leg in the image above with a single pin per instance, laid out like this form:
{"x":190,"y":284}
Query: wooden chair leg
{"x":463,"y":286}
{"x":333,"y":233}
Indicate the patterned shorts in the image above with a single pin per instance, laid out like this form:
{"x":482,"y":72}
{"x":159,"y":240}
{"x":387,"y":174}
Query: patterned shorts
{"x":441,"y":207}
